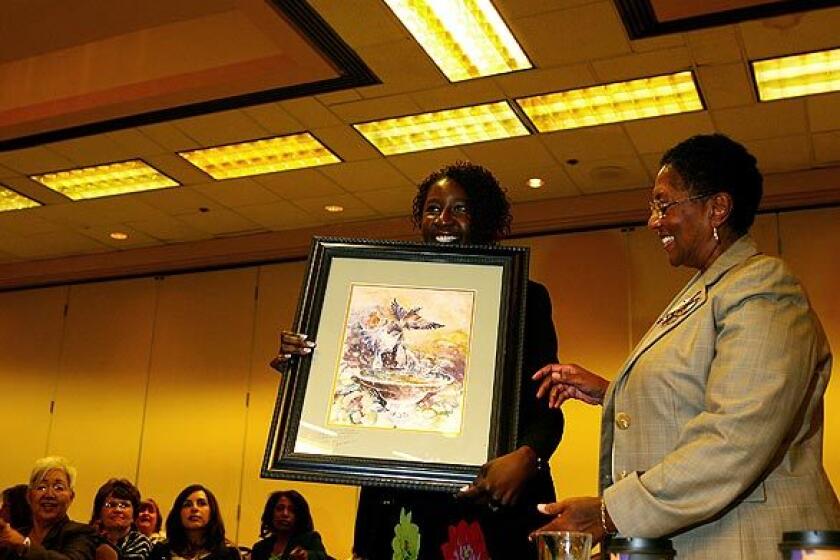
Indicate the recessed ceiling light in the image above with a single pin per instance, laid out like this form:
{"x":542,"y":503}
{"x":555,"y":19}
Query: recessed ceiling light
{"x":797,"y":75}
{"x":615,"y":102}
{"x":105,"y":180}
{"x":11,"y":200}
{"x":535,"y":182}
{"x":440,"y":129}
{"x":465,"y":38}
{"x":118,"y":235}
{"x":334,"y":208}
{"x":256,"y":157}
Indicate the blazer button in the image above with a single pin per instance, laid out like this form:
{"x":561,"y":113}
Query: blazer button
{"x":622,"y":420}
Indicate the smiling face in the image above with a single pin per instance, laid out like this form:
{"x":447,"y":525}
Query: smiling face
{"x":51,"y":497}
{"x":284,"y":519}
{"x":195,"y":511}
{"x":446,"y":213}
{"x":685,"y":230}
{"x":116,"y":514}
{"x":147,"y":518}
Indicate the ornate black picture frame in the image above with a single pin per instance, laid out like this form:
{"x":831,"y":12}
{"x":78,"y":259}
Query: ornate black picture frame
{"x":414,"y":381}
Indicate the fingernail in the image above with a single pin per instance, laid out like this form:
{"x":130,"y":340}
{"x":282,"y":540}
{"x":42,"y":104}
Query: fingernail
{"x":303,"y":336}
{"x":306,"y":350}
{"x":310,"y":344}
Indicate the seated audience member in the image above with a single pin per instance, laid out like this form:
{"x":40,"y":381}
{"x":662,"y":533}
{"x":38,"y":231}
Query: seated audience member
{"x":194,"y":529}
{"x":115,"y":510}
{"x":287,"y":530}
{"x":50,"y":535}
{"x":15,"y":509}
{"x":149,"y":520}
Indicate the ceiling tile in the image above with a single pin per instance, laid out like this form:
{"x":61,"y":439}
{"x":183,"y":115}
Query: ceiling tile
{"x":237,"y":192}
{"x":470,"y":92}
{"x":545,"y":80}
{"x":826,"y":148}
{"x":300,"y":183}
{"x":51,"y":244}
{"x":522,"y":8}
{"x":642,"y":65}
{"x":101,"y":211}
{"x":607,"y":175}
{"x":402,"y":66}
{"x":368,"y":175}
{"x":419,"y":165}
{"x":659,"y":134}
{"x":762,"y":120}
{"x":658,"y":43}
{"x":354,"y":208}
{"x":169,"y":136}
{"x":718,"y":45}
{"x":310,"y":112}
{"x":279,"y":216}
{"x":576,"y":34}
{"x":725,"y":85}
{"x":346,"y":143}
{"x":524,"y":152}
{"x":338,"y":97}
{"x":6,"y":172}
{"x":390,"y":202}
{"x":134,"y":142}
{"x":27,"y":222}
{"x":379,"y":25}
{"x":30,"y":161}
{"x":823,"y":111}
{"x":177,"y":168}
{"x":178,"y":200}
{"x":375,"y":109}
{"x":220,"y":222}
{"x":96,"y":149}
{"x":591,"y":143}
{"x":136,"y":238}
{"x":34,"y":190}
{"x":274,"y":119}
{"x":225,"y":127}
{"x":557,"y":183}
{"x":791,"y":33}
{"x":169,"y":230}
{"x":781,"y":154}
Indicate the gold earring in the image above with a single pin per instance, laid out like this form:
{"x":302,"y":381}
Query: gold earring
{"x":715,"y":234}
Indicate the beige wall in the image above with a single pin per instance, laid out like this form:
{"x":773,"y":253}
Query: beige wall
{"x":164,"y":380}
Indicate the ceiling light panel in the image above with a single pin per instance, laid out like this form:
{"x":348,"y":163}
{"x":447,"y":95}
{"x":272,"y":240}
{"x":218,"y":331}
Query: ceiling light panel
{"x":465,"y":38}
{"x":106,"y":180}
{"x":615,"y":102}
{"x":257,"y":157}
{"x":440,"y":129}
{"x":797,"y":75}
{"x":10,"y":200}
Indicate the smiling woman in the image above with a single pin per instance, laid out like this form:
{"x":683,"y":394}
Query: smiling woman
{"x":194,"y":529}
{"x":115,"y":510}
{"x":287,"y":530}
{"x":51,"y":534}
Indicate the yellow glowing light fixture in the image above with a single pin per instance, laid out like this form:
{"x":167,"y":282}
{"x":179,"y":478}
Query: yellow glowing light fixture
{"x":256,"y":157}
{"x":10,"y":200}
{"x":615,"y":102}
{"x":106,"y":180}
{"x":801,"y":74}
{"x":440,"y":129}
{"x":465,"y":38}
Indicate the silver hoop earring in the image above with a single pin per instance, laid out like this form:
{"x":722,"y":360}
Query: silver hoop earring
{"x":715,"y":234}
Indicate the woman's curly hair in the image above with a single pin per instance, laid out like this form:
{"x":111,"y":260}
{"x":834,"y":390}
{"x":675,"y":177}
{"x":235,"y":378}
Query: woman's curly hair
{"x":489,"y":207}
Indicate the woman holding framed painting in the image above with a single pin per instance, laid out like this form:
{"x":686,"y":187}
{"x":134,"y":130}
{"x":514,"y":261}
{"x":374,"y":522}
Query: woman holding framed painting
{"x":464,"y":204}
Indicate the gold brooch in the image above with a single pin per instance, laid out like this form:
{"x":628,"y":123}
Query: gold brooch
{"x":681,"y":309}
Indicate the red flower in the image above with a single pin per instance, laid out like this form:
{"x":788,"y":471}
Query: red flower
{"x":466,"y":542}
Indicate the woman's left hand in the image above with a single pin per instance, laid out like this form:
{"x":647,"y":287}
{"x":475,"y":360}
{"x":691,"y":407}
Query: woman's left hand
{"x":575,"y":514}
{"x":500,"y":481}
{"x":298,"y":553}
{"x":9,"y":538}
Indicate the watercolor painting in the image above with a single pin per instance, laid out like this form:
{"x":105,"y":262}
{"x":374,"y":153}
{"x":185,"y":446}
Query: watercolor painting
{"x":404,"y":358}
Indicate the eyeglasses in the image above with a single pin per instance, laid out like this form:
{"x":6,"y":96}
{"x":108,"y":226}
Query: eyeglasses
{"x":119,"y":505}
{"x":658,"y":208}
{"x":57,"y":487}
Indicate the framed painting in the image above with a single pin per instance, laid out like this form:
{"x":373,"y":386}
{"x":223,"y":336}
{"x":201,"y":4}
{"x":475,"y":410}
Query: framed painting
{"x":414,"y":381}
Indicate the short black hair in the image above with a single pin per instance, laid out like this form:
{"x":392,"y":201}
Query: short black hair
{"x":713,"y":163}
{"x":119,"y":488}
{"x":214,"y":532}
{"x":489,"y":207}
{"x":303,"y":517}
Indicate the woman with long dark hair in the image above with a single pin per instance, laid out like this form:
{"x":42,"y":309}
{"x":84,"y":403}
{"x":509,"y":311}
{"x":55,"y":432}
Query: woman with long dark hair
{"x":287,"y":530}
{"x":194,"y":529}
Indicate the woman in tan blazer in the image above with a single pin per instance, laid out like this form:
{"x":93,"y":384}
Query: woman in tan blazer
{"x":712,"y":430}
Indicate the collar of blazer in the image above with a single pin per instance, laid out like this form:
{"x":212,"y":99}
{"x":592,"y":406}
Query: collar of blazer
{"x":688,"y":300}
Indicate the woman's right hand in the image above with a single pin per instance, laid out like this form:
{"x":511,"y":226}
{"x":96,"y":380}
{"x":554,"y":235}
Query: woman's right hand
{"x":291,"y":344}
{"x":570,"y":381}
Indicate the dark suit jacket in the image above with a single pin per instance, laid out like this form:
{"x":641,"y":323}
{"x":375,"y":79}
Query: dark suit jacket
{"x":309,"y":541}
{"x":66,"y":540}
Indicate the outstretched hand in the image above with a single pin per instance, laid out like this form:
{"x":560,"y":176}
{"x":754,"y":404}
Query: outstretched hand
{"x":575,"y":514}
{"x":291,"y":344}
{"x":501,"y":480}
{"x":561,"y":382}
